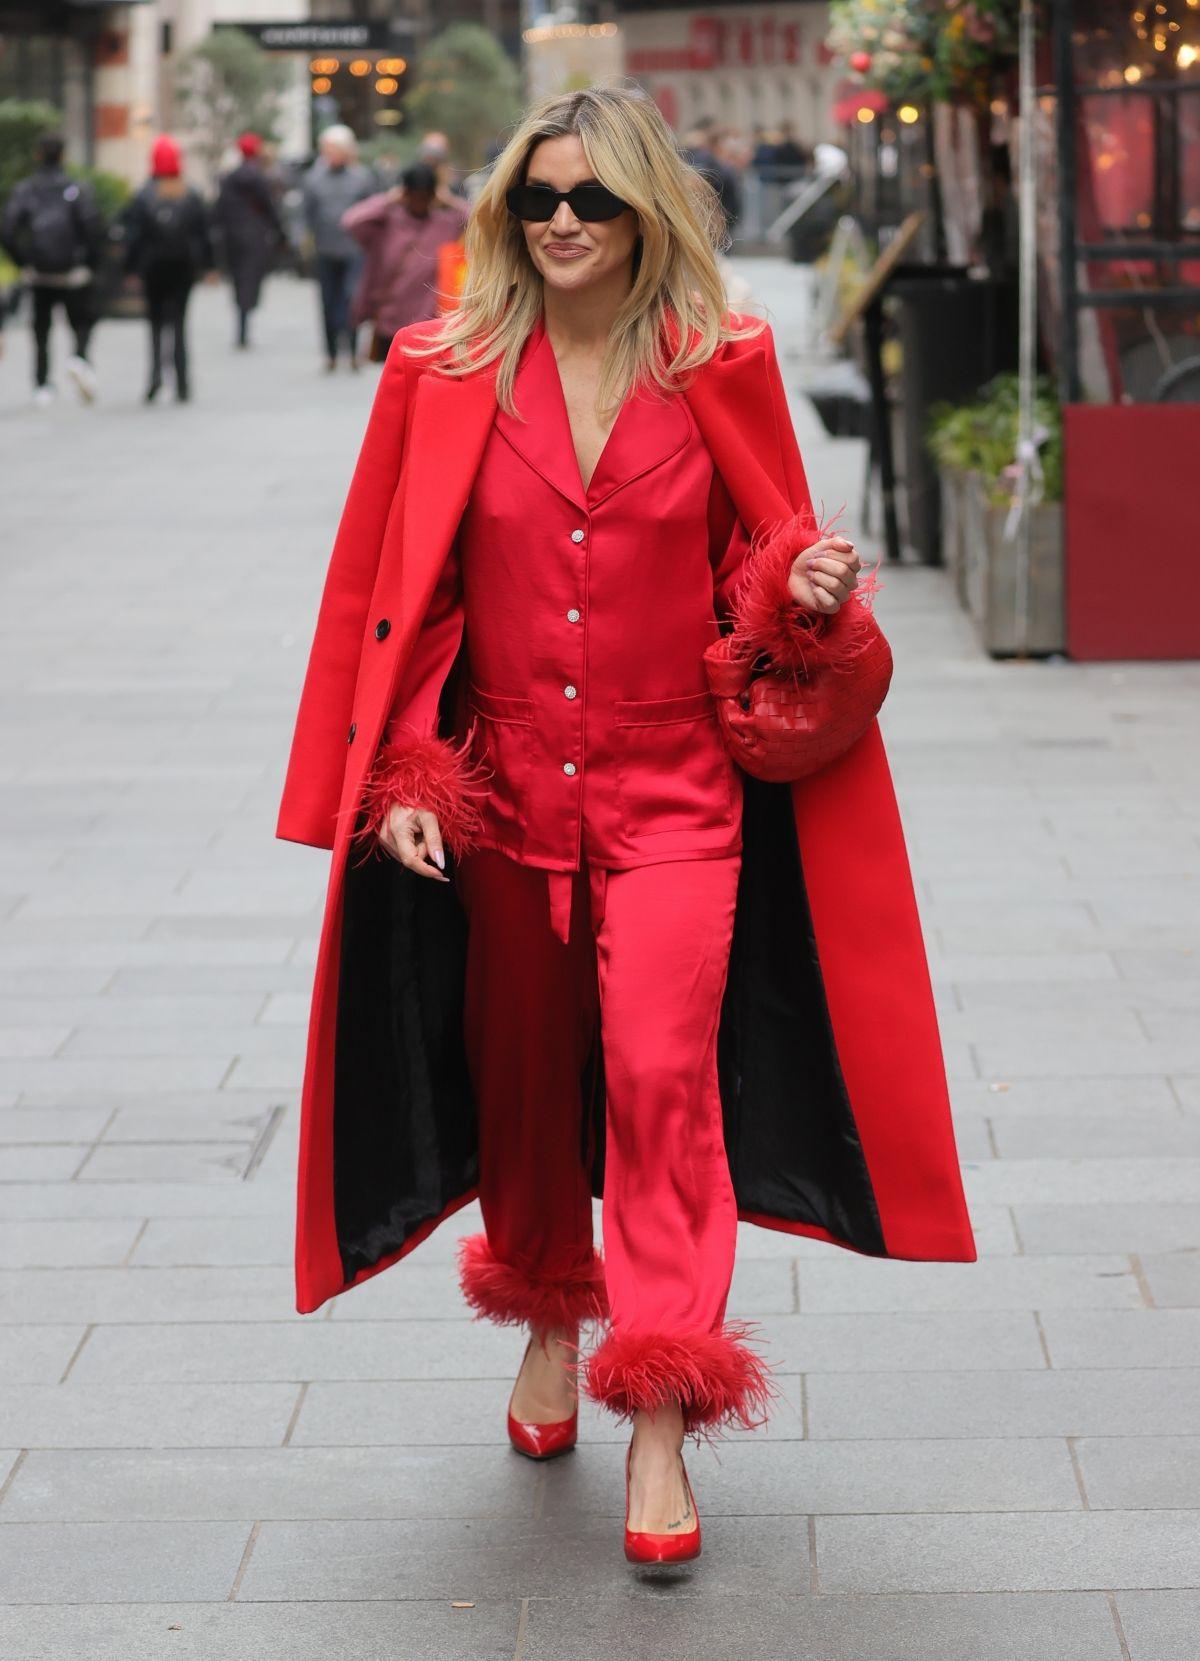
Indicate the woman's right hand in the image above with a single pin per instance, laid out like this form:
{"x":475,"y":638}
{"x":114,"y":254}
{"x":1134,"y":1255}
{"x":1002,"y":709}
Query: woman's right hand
{"x":413,"y":836}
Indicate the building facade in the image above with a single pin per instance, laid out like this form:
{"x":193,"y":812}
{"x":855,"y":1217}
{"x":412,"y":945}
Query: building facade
{"x":749,"y":66}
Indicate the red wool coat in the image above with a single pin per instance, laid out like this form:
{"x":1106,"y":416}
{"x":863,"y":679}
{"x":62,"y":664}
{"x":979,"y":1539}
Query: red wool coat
{"x":836,"y":1113}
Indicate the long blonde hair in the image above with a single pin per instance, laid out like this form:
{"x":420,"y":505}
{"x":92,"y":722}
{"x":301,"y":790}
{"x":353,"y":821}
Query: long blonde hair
{"x":676,"y":282}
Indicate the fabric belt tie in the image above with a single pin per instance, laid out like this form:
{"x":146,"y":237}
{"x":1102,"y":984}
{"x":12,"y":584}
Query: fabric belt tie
{"x":561,"y":885}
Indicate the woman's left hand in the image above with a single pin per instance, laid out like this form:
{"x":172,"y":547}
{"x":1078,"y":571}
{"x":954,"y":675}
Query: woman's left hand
{"x":824,"y":576}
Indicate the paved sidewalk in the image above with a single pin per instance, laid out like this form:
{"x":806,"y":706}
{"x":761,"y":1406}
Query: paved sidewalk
{"x":985,"y":1462}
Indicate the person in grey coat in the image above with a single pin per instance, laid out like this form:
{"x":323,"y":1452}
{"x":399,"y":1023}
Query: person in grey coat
{"x":335,"y":182}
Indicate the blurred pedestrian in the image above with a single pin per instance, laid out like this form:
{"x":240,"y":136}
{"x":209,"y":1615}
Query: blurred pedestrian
{"x":168,"y":245}
{"x":251,"y":230}
{"x":335,"y":183}
{"x":699,"y":153}
{"x":53,"y":229}
{"x":401,"y":231}
{"x":790,"y":153}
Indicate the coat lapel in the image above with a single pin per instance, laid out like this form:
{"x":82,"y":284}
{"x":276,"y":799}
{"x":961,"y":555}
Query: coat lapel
{"x":731,"y":400}
{"x":452,"y":416}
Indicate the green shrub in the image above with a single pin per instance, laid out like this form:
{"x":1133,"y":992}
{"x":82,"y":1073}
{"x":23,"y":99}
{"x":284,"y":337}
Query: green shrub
{"x":981,"y":437}
{"x":22,"y":123}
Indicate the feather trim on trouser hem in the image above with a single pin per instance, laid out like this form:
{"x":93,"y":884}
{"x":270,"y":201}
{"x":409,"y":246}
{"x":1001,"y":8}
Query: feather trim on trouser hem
{"x":514,"y":1297}
{"x":716,"y":1377}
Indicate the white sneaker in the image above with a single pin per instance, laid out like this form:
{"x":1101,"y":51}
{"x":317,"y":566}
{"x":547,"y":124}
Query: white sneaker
{"x":84,"y":376}
{"x":44,"y":396}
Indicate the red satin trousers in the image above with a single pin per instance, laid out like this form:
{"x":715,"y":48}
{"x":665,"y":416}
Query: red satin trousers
{"x":645,"y":956}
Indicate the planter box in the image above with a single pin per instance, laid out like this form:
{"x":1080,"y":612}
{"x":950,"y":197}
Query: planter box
{"x":990,"y":578}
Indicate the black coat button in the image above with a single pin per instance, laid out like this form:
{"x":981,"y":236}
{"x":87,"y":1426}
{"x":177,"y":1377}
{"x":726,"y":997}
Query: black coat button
{"x":351,"y":733}
{"x":382,"y":629}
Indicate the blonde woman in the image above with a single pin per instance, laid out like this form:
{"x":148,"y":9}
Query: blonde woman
{"x":594,"y":960}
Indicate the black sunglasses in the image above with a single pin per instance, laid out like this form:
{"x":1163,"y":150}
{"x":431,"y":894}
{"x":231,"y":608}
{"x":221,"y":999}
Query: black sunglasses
{"x":587,"y":202}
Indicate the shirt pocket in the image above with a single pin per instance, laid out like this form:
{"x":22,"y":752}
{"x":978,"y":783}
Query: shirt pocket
{"x":673,"y":771}
{"x":503,"y":742}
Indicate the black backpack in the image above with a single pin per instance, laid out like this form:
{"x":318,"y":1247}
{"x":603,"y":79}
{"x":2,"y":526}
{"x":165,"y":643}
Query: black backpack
{"x":168,"y":228}
{"x":53,"y":239}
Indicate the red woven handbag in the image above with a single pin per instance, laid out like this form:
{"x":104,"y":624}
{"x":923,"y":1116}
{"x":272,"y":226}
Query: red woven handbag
{"x":795,"y":689}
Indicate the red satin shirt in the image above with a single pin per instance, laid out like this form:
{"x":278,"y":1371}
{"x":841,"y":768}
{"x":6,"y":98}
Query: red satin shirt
{"x":586,"y":615}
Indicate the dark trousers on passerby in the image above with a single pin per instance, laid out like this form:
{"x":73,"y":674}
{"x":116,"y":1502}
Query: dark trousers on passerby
{"x":337,"y":275}
{"x":78,"y":304}
{"x":167,"y":287}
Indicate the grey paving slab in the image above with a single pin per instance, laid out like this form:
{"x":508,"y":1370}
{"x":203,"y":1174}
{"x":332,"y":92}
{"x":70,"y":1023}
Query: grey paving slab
{"x":1126,"y":1473}
{"x":229,"y":1484}
{"x":136,"y":1073}
{"x":146,"y":1295}
{"x":928,"y":1627}
{"x":1104,"y":1135}
{"x":484,"y":1631}
{"x":1174,"y":1278}
{"x":34,"y":1162}
{"x":31,"y":1123}
{"x":68,"y":1242}
{"x":1122,"y":1338}
{"x":1083,"y":1181}
{"x":124,"y":1199}
{"x":1144,"y":1228}
{"x":1116,"y":1402}
{"x":1009,"y":1552}
{"x":1160,"y":1626}
{"x":72,"y":1415}
{"x":229,"y":1120}
{"x":751,"y":1477}
{"x":37,"y":1354}
{"x":1020,"y":995}
{"x":266,"y":1348}
{"x":216,"y":1242}
{"x":119,"y":1562}
{"x":170,"y":1161}
{"x":510,"y":1558}
{"x":1018,"y":1283}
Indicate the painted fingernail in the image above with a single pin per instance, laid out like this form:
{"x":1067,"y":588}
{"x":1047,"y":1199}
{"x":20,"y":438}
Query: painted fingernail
{"x":439,"y":859}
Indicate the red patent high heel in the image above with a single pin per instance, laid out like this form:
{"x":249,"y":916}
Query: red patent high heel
{"x":641,"y":1546}
{"x":542,"y":1441}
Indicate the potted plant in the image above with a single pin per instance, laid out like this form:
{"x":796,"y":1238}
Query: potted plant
{"x":975,"y":446}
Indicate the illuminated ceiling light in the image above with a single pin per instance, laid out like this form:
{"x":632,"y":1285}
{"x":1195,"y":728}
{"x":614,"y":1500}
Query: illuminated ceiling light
{"x":360,"y":66}
{"x":322,"y":84}
{"x":908,"y":113}
{"x":1132,"y":74}
{"x":387,"y":84}
{"x":1187,"y":56}
{"x":865,"y":116}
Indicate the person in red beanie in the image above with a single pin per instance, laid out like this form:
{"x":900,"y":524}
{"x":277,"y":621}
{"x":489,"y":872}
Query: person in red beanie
{"x":250,"y":228}
{"x":168,"y":245}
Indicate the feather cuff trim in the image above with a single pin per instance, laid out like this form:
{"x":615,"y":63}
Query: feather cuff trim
{"x":512,"y":1297}
{"x":769,"y":624}
{"x":429,"y":773}
{"x":716,"y":1377}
